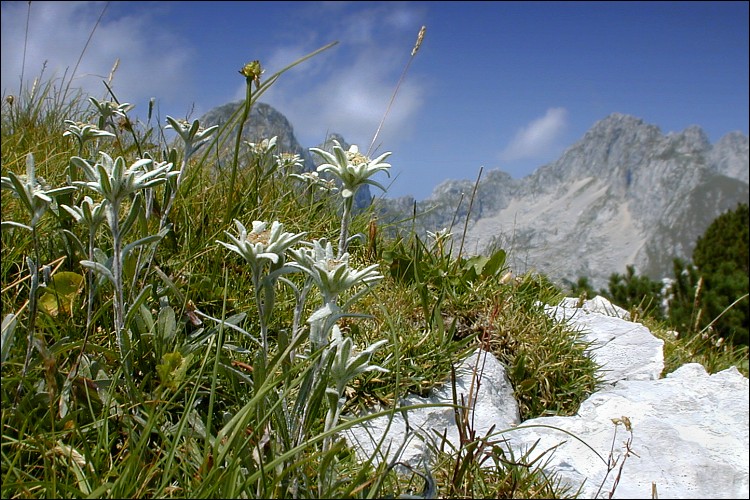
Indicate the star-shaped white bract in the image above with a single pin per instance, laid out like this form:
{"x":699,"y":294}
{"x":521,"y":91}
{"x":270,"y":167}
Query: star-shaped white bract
{"x":351,"y":167}
{"x":261,"y":245}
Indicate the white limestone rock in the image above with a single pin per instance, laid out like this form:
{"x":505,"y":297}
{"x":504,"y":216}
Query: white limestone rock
{"x":690,"y":430}
{"x":690,"y":434}
{"x":625,"y":350}
{"x":495,"y":407}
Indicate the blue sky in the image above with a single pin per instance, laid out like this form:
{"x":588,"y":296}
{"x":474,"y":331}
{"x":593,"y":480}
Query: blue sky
{"x":499,"y":85}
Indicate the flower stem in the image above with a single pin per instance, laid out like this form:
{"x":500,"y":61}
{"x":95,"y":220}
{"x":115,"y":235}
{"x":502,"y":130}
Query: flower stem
{"x":420,"y":37}
{"x":345,"y":225}
{"x":245,"y":113}
{"x":118,"y":300}
{"x":34,"y":271}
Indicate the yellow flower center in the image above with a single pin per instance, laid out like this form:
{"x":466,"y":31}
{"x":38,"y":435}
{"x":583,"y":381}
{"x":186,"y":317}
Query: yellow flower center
{"x":356,"y":158}
{"x":261,"y":237}
{"x":332,"y":264}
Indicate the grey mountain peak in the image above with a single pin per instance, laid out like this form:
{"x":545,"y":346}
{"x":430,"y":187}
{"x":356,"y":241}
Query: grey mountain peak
{"x":624,"y":194}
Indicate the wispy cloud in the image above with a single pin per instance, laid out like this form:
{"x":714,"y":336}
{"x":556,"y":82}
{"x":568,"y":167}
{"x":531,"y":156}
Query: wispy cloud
{"x":347,"y":89}
{"x":538,"y":138}
{"x":350,"y":100}
{"x":58,"y":33}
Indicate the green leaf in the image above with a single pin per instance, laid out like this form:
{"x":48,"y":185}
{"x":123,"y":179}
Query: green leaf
{"x":62,"y":291}
{"x":75,"y":241}
{"x":473,"y":267}
{"x":7,"y":339}
{"x":495,"y":263}
{"x":141,"y":242}
{"x":100,"y":269}
{"x":135,"y":210}
{"x":104,"y":183}
{"x":139,"y":300}
{"x":20,"y":190}
{"x":166,"y":326}
{"x":527,"y":384}
{"x":173,"y":368}
{"x":16,"y":224}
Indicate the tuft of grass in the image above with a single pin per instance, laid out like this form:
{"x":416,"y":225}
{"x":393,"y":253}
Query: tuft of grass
{"x":706,"y":348}
{"x":547,"y":361}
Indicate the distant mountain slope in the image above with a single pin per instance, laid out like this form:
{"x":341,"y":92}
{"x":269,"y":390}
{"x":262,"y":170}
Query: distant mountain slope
{"x":625,"y":194}
{"x":265,"y":122}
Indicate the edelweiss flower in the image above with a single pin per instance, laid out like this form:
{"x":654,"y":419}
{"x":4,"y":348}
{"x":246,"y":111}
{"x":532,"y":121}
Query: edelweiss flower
{"x":289,"y":162}
{"x":261,"y":244}
{"x":347,"y":362}
{"x":351,"y":167}
{"x":263,"y":147}
{"x":440,"y":237}
{"x":191,"y":134}
{"x":31,"y":192}
{"x":84,"y":131}
{"x":309,"y":177}
{"x":108,"y":110}
{"x":313,"y":179}
{"x":90,"y":213}
{"x":115,"y":183}
{"x":332,"y":275}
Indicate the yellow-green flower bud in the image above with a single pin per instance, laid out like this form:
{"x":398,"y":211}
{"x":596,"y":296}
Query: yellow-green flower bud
{"x":252,"y":72}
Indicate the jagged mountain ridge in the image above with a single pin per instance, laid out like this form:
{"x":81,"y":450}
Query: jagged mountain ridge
{"x":264,"y":122}
{"x":625,"y":194}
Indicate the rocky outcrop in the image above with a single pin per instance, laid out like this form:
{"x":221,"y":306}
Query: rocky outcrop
{"x":689,"y":438}
{"x":413,"y":430}
{"x":680,"y":436}
{"x":729,"y":156}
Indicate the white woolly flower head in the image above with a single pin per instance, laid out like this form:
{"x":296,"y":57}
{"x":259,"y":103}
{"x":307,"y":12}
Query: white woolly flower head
{"x":351,"y":167}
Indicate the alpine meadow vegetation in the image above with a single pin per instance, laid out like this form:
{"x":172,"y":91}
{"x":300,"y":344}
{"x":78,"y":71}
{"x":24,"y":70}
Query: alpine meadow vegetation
{"x":174,"y":326}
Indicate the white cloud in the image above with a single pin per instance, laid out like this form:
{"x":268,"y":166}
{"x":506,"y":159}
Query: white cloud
{"x":347,"y":89}
{"x":58,"y":34}
{"x":538,"y":138}
{"x":352,"y":102}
